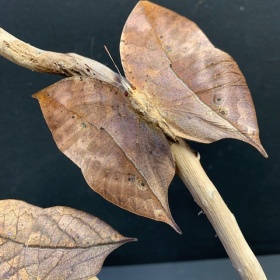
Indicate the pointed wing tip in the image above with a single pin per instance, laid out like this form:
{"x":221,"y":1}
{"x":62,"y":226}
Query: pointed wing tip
{"x":168,"y":219}
{"x":175,"y":226}
{"x":257,"y":144}
{"x":36,"y":95}
{"x":40,"y":95}
{"x":262,"y":151}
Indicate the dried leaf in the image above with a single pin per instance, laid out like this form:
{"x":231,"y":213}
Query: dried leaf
{"x":170,"y":61}
{"x":52,"y":243}
{"x":125,"y":159}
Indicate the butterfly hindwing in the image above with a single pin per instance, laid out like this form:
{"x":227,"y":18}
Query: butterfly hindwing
{"x":123,"y":158}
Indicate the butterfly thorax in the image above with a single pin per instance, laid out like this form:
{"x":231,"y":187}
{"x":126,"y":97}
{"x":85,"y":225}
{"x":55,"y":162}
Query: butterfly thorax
{"x":149,"y":112}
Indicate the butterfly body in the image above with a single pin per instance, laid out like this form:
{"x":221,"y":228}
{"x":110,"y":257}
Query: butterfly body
{"x":149,"y":112}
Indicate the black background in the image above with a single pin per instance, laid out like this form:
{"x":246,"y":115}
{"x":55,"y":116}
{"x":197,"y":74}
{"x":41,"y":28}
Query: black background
{"x":34,"y":170}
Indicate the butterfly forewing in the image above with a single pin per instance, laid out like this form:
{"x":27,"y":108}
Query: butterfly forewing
{"x":123,"y":158}
{"x":198,"y":89}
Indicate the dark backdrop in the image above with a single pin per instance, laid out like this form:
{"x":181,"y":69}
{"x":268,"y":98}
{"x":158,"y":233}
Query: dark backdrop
{"x":34,"y":170}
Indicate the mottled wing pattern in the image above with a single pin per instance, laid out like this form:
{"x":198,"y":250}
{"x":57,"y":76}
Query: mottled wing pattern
{"x":52,"y":243}
{"x":123,"y":158}
{"x":169,"y":59}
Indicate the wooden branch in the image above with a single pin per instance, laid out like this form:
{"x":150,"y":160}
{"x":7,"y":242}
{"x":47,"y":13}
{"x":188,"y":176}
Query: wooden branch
{"x":69,"y":64}
{"x":188,"y":165}
{"x":207,"y":197}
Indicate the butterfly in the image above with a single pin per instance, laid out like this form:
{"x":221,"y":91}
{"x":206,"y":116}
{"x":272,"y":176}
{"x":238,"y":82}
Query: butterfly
{"x":177,"y":85}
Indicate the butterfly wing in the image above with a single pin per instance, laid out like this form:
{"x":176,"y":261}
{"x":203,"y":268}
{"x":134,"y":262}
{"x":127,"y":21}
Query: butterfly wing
{"x":122,"y":157}
{"x":169,"y":59}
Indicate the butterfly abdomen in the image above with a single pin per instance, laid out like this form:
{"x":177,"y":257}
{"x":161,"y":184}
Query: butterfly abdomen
{"x":149,"y":112}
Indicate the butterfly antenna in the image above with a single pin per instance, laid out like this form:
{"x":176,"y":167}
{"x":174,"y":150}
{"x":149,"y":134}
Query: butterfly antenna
{"x":125,"y":84}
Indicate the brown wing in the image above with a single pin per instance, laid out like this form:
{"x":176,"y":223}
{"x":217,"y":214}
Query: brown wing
{"x":168,"y":58}
{"x":122,"y":158}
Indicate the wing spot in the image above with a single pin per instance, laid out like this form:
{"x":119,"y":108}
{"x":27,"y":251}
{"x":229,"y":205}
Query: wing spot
{"x":169,"y":48}
{"x":141,"y":185}
{"x":223,"y":111}
{"x":217,"y":100}
{"x":131,"y":178}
